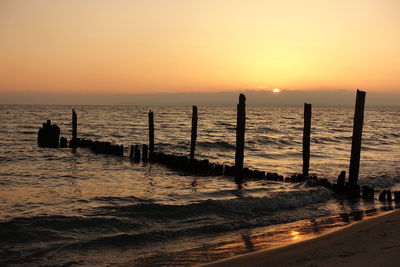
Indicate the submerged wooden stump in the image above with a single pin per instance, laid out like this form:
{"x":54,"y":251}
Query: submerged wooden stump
{"x":136,"y":156}
{"x":132,"y":151}
{"x":367,"y":192}
{"x":49,"y":135}
{"x":145,"y":153}
{"x":63,"y":142}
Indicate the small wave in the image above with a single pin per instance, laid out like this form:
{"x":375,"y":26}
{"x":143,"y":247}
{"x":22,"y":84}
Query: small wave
{"x":50,"y":228}
{"x":218,"y":144}
{"x":129,"y":240}
{"x":226,"y":207}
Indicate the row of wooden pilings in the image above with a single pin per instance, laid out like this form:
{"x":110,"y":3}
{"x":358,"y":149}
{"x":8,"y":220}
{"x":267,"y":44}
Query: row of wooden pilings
{"x":48,"y":137}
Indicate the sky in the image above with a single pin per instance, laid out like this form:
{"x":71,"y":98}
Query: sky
{"x":173,"y":46}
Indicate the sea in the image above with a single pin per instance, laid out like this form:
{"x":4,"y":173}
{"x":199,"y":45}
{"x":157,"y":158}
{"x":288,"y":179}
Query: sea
{"x":71,"y":207}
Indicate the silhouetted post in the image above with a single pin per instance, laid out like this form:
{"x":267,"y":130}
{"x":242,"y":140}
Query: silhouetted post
{"x":144,"y":153}
{"x":356,"y":140}
{"x":74,"y":140}
{"x":74,"y":125}
{"x":136,"y":156}
{"x":194,"y":133}
{"x":306,"y":139}
{"x":63,"y":142}
{"x":240,"y":130}
{"x":49,"y":135}
{"x":131,"y":154}
{"x":151,"y":135}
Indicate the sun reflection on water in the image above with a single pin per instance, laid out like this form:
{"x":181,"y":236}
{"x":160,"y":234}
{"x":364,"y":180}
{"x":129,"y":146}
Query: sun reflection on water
{"x":295,"y":235}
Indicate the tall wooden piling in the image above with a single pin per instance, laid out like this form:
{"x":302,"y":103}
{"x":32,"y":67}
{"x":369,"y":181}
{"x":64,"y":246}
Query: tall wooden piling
{"x":306,"y":138}
{"x":74,"y":140}
{"x":240,"y":133}
{"x":356,"y":139}
{"x":151,"y":135}
{"x":194,"y":133}
{"x":74,"y":125}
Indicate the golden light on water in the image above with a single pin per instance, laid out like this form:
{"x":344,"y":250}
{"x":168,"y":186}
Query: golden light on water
{"x":276,"y":91}
{"x":295,"y":235}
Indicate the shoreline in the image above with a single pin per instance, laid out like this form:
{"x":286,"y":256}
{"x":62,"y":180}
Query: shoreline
{"x":371,"y":242}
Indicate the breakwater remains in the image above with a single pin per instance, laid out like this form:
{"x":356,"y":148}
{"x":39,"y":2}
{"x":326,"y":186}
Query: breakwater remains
{"x":48,"y":136}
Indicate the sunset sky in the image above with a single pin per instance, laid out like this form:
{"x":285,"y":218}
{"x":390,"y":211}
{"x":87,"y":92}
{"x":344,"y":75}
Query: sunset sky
{"x":198,"y":46}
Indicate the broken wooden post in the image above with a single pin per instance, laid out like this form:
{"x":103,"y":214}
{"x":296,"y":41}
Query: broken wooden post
{"x":382,"y":195}
{"x":396,"y":196}
{"x":144,"y":153}
{"x":131,"y":154}
{"x":389,"y":196}
{"x":48,"y":135}
{"x":63,"y":142}
{"x":136,"y":156}
{"x":367,"y":192}
{"x":306,"y":139}
{"x":240,"y":132}
{"x":74,"y":125}
{"x":194,"y":133}
{"x":74,"y":140}
{"x":151,"y":136}
{"x":356,"y":139}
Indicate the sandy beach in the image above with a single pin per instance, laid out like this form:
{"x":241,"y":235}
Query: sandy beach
{"x":374,"y":242}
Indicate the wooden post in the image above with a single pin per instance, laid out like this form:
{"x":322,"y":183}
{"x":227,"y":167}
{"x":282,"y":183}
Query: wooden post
{"x":356,"y":140}
{"x":240,"y":131}
{"x":136,"y":156}
{"x":144,"y":153}
{"x":151,"y":136}
{"x":132,"y":152}
{"x":74,"y":140}
{"x":306,"y":139}
{"x":74,"y":125}
{"x":194,"y":133}
{"x":49,"y":135}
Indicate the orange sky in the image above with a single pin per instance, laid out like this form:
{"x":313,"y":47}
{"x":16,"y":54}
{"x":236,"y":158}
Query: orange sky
{"x":189,"y":45}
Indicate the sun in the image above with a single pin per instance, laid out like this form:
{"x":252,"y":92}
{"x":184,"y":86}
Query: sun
{"x":276,"y":91}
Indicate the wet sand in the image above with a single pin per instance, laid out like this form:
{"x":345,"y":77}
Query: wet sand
{"x":373,"y":242}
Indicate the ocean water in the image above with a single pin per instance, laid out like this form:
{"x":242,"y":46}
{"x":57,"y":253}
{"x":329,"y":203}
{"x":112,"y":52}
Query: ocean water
{"x":74,"y":207}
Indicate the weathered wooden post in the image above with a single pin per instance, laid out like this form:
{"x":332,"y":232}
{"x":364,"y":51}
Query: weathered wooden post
{"x":356,"y":140}
{"x":48,"y":135}
{"x":151,"y":136}
{"x":136,"y":156}
{"x":240,"y":133}
{"x":145,"y":149}
{"x":74,"y":125}
{"x":132,"y":151}
{"x":306,"y":139}
{"x":74,"y":141}
{"x":63,"y":142}
{"x":194,"y":134}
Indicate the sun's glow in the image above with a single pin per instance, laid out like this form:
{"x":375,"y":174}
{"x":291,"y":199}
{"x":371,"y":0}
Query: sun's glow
{"x":276,"y":90}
